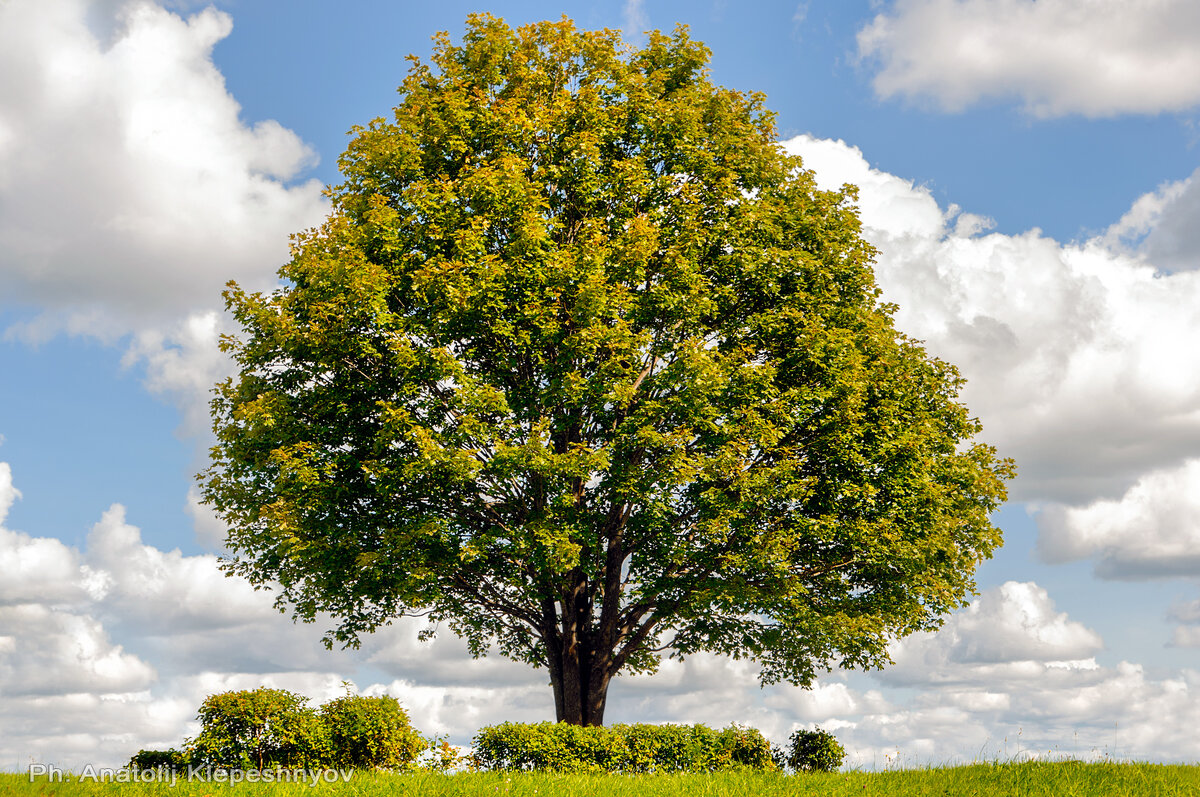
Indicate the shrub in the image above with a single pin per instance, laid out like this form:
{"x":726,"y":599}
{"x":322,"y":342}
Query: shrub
{"x":370,"y":733}
{"x":166,"y":760}
{"x":814,"y":751}
{"x":747,"y":747}
{"x":257,"y":729}
{"x":560,"y":747}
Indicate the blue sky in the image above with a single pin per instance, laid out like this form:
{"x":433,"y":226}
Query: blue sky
{"x":1026,"y":170}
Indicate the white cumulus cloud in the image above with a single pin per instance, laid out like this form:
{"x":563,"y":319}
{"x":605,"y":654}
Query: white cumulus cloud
{"x":130,"y":188}
{"x":1153,"y":530}
{"x":1160,"y":227}
{"x":64,"y":653}
{"x":1009,"y":633}
{"x":1186,"y":617}
{"x":1097,"y":58}
{"x":1011,"y":676}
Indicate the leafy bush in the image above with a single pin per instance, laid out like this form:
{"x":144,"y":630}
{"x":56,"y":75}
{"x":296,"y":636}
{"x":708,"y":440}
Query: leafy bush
{"x":814,"y":751}
{"x":560,"y":747}
{"x":263,"y":728}
{"x":166,"y":760}
{"x":259,"y":728}
{"x":370,"y":733}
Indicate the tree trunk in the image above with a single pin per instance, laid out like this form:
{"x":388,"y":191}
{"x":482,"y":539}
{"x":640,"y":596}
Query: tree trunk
{"x":553,"y":645}
{"x":573,"y":642}
{"x":583,"y":690}
{"x":581,"y":651}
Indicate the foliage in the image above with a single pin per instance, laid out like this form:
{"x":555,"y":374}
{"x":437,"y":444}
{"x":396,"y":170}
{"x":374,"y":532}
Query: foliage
{"x":370,"y":733}
{"x":814,"y":751}
{"x":259,"y":728}
{"x":562,"y":747}
{"x":585,"y":366}
{"x":171,"y":760}
{"x":264,"y":728}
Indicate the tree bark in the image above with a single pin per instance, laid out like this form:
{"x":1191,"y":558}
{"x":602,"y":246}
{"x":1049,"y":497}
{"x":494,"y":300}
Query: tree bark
{"x":580,"y":657}
{"x":583,"y":688}
{"x":553,"y":644}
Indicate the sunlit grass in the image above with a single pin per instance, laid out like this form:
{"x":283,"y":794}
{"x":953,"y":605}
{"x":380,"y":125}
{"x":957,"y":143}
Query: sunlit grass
{"x":1060,"y":778}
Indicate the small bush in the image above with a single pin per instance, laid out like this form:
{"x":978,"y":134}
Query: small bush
{"x":814,"y":751}
{"x":259,"y":728}
{"x":164,"y":760}
{"x":370,"y":733}
{"x":560,"y":747}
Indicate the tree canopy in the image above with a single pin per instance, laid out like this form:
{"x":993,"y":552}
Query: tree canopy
{"x":584,"y":366}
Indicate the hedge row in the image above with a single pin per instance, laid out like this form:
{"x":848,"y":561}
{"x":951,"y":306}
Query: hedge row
{"x":559,"y":747}
{"x":270,"y":728}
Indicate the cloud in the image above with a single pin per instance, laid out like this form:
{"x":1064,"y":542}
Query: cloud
{"x":39,"y":569}
{"x":1010,"y":633}
{"x":460,"y":711}
{"x":1186,"y":616}
{"x":8,"y":493}
{"x":1146,"y":215}
{"x":61,"y":653}
{"x":36,"y":569}
{"x":443,"y":661}
{"x":1153,"y":530}
{"x":186,"y":613}
{"x":182,"y":362}
{"x":165,"y":592}
{"x":1160,"y":227}
{"x":1105,"y":713}
{"x":210,"y":529}
{"x":130,"y":189}
{"x":112,"y":648}
{"x":1012,"y":676}
{"x":1097,"y":58}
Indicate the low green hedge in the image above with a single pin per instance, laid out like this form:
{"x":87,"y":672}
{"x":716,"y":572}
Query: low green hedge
{"x":559,"y":747}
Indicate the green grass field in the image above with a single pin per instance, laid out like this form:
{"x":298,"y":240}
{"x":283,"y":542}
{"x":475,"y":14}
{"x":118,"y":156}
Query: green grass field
{"x":1061,"y":779}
